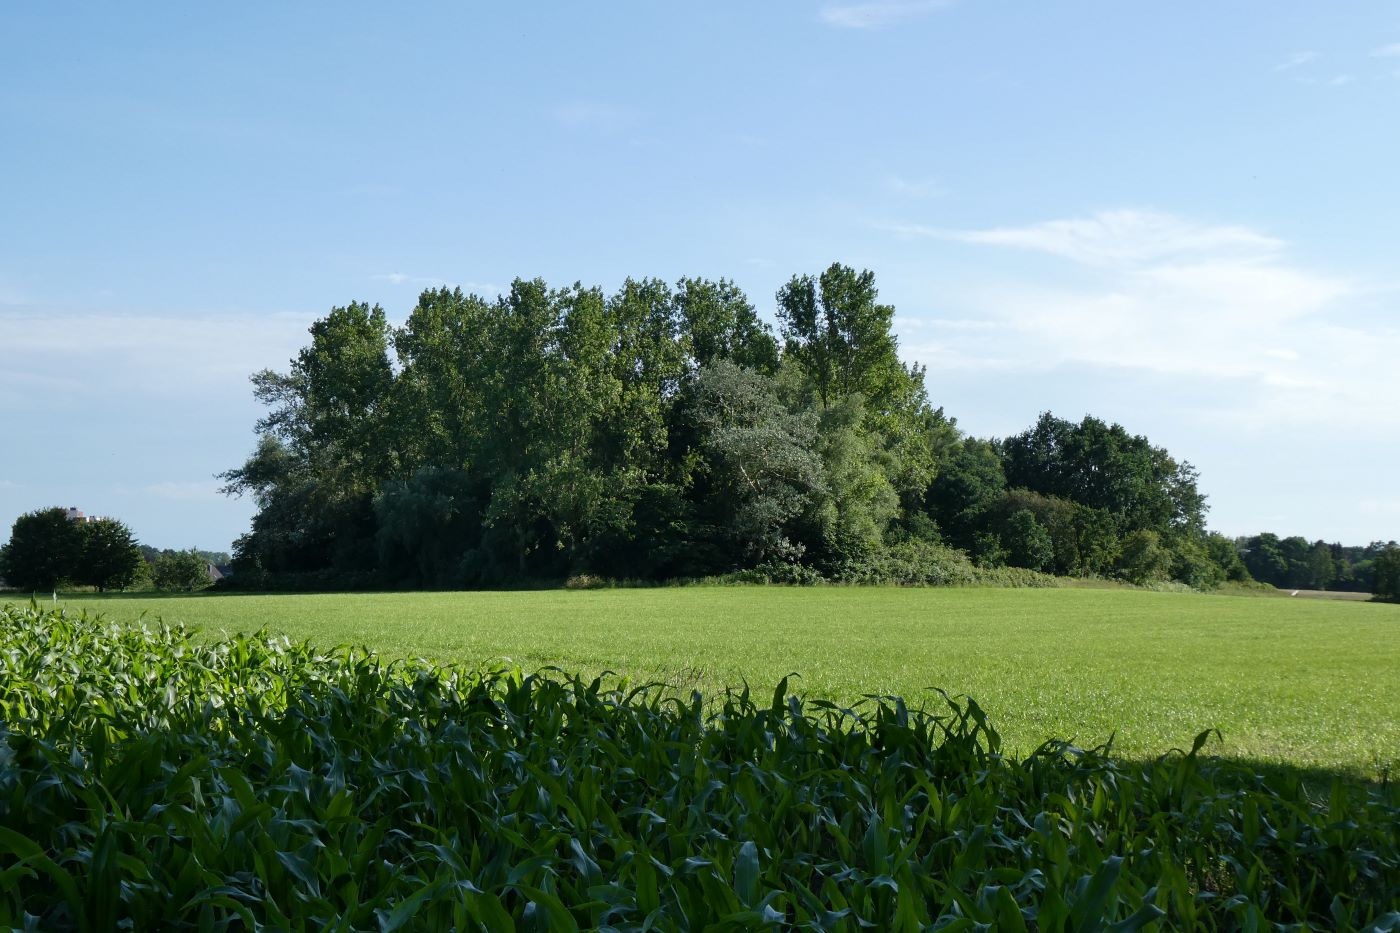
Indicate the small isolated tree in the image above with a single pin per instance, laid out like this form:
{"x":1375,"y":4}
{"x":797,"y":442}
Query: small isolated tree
{"x":180,"y":572}
{"x":1386,"y":568}
{"x":108,"y":557}
{"x":43,"y":551}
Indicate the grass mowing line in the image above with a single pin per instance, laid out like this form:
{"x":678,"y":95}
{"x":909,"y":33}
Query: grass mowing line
{"x":1300,"y":683}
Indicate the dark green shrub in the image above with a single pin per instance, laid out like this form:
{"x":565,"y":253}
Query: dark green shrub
{"x":180,"y":572}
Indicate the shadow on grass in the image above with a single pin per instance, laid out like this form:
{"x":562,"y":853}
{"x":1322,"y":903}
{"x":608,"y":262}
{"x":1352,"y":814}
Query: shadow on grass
{"x":1315,"y":782}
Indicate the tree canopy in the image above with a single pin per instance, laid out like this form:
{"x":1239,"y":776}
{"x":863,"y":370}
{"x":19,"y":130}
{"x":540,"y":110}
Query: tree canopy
{"x":47,"y":550}
{"x":42,"y":552}
{"x":666,"y":431}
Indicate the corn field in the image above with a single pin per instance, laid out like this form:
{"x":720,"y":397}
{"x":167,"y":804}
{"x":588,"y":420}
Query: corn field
{"x":149,"y":779}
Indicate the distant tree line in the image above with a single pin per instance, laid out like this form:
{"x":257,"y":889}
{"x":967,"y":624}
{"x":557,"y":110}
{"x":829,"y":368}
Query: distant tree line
{"x":154,"y":554}
{"x":48,"y":551}
{"x":1297,"y":564}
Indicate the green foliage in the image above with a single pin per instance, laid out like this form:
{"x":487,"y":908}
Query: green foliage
{"x":1103,"y":467}
{"x":838,"y":332}
{"x":149,"y":554}
{"x":1263,"y":557}
{"x":860,"y":502}
{"x":180,"y":572}
{"x":1027,"y":542}
{"x":969,"y":483}
{"x":839,"y":337}
{"x":43,"y":551}
{"x":109,"y":558}
{"x":911,"y":562}
{"x":1144,"y":558}
{"x":1293,"y":563}
{"x":1386,"y":568}
{"x":152,"y":780}
{"x":721,"y":324}
{"x":1226,"y":556}
{"x":426,"y":525}
{"x":1083,"y":541}
{"x":987,"y":551}
{"x":659,"y":432}
{"x":141,"y":579}
{"x":1193,"y":565}
{"x":47,"y":550}
{"x":758,"y":474}
{"x":1013,"y":578}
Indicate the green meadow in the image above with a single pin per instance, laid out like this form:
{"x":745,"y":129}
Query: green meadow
{"x":1309,"y":684}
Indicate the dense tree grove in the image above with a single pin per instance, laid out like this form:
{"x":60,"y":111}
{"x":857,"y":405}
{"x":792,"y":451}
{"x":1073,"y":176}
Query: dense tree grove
{"x":47,"y":550}
{"x":665,"y":431}
{"x":1299,"y":564}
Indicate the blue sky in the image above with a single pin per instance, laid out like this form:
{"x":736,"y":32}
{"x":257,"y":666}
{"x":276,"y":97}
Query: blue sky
{"x":1181,"y":217}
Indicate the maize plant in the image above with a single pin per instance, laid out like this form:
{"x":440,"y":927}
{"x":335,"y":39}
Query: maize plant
{"x":150,"y":779}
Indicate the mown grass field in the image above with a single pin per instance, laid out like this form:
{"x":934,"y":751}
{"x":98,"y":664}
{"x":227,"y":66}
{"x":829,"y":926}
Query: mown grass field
{"x":1308,"y":684}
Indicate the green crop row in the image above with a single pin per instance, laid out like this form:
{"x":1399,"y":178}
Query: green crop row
{"x":149,"y":780}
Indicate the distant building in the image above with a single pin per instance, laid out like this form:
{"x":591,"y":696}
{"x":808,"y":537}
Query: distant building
{"x":219,"y":572}
{"x":76,"y":514}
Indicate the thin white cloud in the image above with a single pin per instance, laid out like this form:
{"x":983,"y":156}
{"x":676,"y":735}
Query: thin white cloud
{"x":914,"y":187}
{"x":71,"y":356}
{"x":1296,"y":60}
{"x":1341,"y":80}
{"x":398,"y":278}
{"x":917,"y":230}
{"x":1116,"y":237}
{"x":1219,"y":304}
{"x":1387,"y":51}
{"x":875,"y":14}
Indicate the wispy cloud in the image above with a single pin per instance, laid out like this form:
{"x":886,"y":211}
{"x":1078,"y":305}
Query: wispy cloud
{"x":1387,"y":51}
{"x":1296,"y":60}
{"x":71,"y":356}
{"x":1117,"y":237}
{"x":1341,"y":80}
{"x":914,"y":187}
{"x":399,"y":278}
{"x":875,"y":14}
{"x":1163,"y":294}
